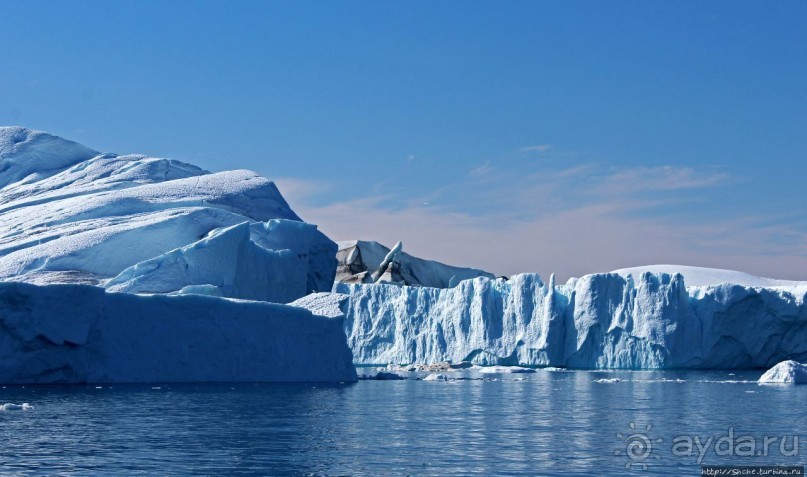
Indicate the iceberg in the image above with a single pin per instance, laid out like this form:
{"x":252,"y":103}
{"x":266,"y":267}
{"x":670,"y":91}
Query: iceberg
{"x":636,"y":320}
{"x":16,"y":407}
{"x":786,"y":372}
{"x":140,"y":269}
{"x":436,"y":377}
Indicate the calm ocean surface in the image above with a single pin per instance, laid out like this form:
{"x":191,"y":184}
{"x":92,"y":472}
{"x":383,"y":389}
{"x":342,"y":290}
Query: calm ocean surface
{"x":547,"y":423}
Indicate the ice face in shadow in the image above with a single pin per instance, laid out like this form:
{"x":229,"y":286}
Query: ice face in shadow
{"x":232,"y":260}
{"x":83,"y":334}
{"x":598,"y":321}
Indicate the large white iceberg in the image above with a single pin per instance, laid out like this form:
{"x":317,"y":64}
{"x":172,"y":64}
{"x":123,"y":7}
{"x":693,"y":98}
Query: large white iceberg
{"x":639,"y":320}
{"x":74,"y":222}
{"x":71,"y":215}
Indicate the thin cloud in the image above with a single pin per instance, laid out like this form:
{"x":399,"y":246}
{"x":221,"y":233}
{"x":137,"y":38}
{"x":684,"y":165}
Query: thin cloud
{"x":666,"y":178}
{"x":482,"y":170}
{"x":540,"y":148}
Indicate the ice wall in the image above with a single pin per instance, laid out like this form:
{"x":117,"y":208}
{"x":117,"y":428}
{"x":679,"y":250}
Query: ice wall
{"x":82,"y":334}
{"x":598,"y":321}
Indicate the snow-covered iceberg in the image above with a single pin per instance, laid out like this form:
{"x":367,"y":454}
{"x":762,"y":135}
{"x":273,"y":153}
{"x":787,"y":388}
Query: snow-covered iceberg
{"x":71,"y":215}
{"x":638,"y":320}
{"x":84,"y":334}
{"x":786,"y":372}
{"x":361,"y":261}
{"x":93,"y":246}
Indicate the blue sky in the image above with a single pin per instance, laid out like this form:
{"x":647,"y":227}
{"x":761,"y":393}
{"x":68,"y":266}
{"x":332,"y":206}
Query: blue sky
{"x":567,"y":137}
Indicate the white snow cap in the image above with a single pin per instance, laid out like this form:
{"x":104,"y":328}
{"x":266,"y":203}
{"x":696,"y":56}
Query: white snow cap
{"x":699,"y":276}
{"x":71,"y":215}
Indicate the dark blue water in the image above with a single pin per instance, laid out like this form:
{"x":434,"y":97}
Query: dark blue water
{"x":547,"y":423}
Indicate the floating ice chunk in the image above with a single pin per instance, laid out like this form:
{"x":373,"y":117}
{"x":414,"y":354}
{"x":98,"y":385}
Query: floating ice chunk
{"x":436,"y":377}
{"x":504,"y":369}
{"x":16,"y":407}
{"x":608,"y":380}
{"x":786,"y":372}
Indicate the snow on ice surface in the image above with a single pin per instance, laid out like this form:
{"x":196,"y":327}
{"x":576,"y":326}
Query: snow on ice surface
{"x":323,"y":304}
{"x":71,"y":215}
{"x":83,"y":334}
{"x":699,"y":277}
{"x":27,"y":155}
{"x":786,"y":372}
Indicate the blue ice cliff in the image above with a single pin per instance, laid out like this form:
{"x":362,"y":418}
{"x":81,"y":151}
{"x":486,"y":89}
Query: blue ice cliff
{"x":105,"y":261}
{"x":643,"y":318}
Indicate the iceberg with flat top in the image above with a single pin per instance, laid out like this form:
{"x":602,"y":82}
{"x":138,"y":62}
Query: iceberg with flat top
{"x":129,"y":268}
{"x":630,"y":319}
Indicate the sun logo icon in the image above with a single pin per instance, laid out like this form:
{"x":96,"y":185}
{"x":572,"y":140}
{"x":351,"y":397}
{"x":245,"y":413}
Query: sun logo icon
{"x":638,"y":446}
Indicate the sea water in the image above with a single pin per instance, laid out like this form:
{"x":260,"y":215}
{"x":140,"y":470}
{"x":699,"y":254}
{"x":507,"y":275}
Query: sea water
{"x":551,"y":422}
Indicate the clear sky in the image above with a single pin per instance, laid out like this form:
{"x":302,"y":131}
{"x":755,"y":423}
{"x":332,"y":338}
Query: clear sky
{"x":544,"y":136}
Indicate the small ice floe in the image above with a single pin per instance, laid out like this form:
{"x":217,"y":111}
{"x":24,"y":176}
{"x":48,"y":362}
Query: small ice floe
{"x":436,"y":377}
{"x":786,"y":372}
{"x":608,"y":380}
{"x":726,"y":381}
{"x":440,"y":367}
{"x":505,"y":369}
{"x":16,"y":407}
{"x":156,"y":387}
